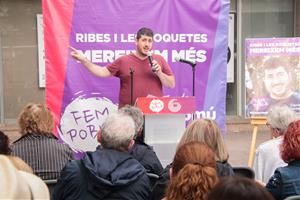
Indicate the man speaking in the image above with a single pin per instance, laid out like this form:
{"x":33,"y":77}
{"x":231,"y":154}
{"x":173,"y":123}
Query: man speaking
{"x":150,"y":72}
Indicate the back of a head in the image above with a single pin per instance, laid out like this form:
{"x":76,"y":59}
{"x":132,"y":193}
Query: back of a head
{"x":193,"y":172}
{"x":280,"y":117}
{"x":17,"y":184}
{"x":290,"y":146}
{"x":35,"y":118}
{"x":239,"y":188}
{"x":117,"y":131}
{"x":207,"y":131}
{"x":4,"y":144}
{"x":136,"y":115}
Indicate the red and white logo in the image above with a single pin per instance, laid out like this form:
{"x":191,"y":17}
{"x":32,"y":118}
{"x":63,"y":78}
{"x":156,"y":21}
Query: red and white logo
{"x":156,"y":105}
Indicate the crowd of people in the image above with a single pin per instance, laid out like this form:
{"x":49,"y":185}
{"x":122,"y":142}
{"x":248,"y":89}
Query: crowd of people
{"x":123,"y":166}
{"x":120,"y":166}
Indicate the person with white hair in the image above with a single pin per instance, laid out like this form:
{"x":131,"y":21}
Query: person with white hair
{"x":142,"y":151}
{"x":110,"y":172}
{"x":267,"y":156}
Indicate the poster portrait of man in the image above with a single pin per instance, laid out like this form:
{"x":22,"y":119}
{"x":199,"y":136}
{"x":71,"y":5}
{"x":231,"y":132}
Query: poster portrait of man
{"x":272,"y":77}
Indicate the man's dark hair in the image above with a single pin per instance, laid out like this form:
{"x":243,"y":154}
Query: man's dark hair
{"x":272,"y":63}
{"x":4,"y":144}
{"x":236,"y":188}
{"x":144,"y":31}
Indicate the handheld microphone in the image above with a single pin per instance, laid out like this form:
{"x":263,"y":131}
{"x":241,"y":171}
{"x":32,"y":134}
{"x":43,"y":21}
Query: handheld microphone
{"x":149,"y":54}
{"x":191,"y":62}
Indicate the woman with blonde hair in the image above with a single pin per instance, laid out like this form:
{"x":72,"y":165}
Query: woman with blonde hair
{"x":208,"y":131}
{"x":203,"y":130}
{"x":192,"y":173}
{"x":38,"y":147}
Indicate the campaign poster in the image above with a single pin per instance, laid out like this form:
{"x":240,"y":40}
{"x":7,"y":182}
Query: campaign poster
{"x":272,"y":74}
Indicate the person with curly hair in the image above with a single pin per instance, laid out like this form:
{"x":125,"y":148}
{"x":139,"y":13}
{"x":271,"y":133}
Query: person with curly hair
{"x":203,"y":130}
{"x":285,"y":181}
{"x":193,"y":172}
{"x":38,"y":147}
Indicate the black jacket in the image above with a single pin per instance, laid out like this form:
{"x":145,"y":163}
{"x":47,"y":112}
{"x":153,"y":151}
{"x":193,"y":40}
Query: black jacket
{"x":103,"y":174}
{"x":147,"y":157}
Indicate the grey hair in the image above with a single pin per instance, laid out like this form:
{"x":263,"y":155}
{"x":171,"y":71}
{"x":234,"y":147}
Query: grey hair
{"x":136,"y":115}
{"x":117,"y":131}
{"x":280,"y":117}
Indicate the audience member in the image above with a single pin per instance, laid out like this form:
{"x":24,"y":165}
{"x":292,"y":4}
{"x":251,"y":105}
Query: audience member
{"x":238,"y":188}
{"x":16,"y":161}
{"x":285,"y":181}
{"x":110,"y":172}
{"x":193,"y":172}
{"x":267,"y":156}
{"x":203,"y":130}
{"x":38,"y":147}
{"x":208,"y":131}
{"x":141,"y":151}
{"x":4,"y":144}
{"x":17,"y":184}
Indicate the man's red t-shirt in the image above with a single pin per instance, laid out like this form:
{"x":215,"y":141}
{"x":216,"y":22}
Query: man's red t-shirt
{"x":145,"y":82}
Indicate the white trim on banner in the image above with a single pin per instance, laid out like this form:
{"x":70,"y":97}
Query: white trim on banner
{"x":1,"y":86}
{"x":230,"y":62}
{"x":41,"y":50}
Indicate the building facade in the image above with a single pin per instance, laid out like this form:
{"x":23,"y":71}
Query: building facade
{"x":19,"y":65}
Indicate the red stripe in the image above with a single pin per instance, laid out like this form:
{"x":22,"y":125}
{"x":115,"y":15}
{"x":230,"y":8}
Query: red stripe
{"x":57,"y":17}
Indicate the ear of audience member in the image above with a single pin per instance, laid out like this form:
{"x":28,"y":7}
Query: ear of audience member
{"x":238,"y":188}
{"x":267,"y":156}
{"x":17,"y":184}
{"x":193,"y":172}
{"x":38,"y":143}
{"x":285,"y":181}
{"x":4,"y":144}
{"x":141,"y":151}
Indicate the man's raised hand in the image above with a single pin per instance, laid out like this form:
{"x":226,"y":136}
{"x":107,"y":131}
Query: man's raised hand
{"x":77,"y":55}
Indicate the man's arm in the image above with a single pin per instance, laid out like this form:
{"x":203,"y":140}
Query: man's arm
{"x":95,"y":69}
{"x":166,"y":80}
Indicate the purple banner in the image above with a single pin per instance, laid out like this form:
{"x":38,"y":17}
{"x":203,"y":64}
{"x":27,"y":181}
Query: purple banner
{"x":105,"y":30}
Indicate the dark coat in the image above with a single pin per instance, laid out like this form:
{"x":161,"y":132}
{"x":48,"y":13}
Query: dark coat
{"x":224,"y":169}
{"x":286,"y":181}
{"x":147,"y":157}
{"x":103,"y":174}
